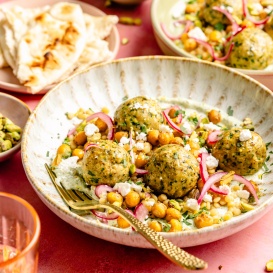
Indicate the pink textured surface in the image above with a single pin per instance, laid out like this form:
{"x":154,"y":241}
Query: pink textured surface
{"x":66,"y":249}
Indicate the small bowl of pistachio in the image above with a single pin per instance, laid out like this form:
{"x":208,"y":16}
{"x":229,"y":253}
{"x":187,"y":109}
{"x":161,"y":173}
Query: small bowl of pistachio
{"x":14,"y":114}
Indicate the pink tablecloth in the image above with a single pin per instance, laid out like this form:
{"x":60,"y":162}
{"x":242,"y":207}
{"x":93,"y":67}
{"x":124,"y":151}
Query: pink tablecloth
{"x":66,"y":249}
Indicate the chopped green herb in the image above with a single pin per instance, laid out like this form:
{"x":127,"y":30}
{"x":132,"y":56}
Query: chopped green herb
{"x":230,"y":111}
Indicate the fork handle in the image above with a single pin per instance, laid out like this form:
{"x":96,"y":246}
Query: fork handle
{"x":167,"y":248}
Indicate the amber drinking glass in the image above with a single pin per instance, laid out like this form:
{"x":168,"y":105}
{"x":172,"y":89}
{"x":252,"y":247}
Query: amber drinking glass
{"x":19,"y":235}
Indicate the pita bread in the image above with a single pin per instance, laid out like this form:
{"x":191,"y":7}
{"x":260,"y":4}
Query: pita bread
{"x":96,"y":49}
{"x":53,"y":43}
{"x":14,"y":24}
{"x":45,"y":45}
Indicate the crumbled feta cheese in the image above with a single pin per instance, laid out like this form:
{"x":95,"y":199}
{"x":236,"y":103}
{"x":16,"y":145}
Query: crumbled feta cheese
{"x":124,"y":140}
{"x":244,"y":194}
{"x":192,"y":204}
{"x":203,"y":150}
{"x":225,"y":188}
{"x":139,"y":146}
{"x":165,"y":128}
{"x":211,"y":126}
{"x":76,"y":121}
{"x":141,"y":136}
{"x":245,"y":135}
{"x":237,"y":201}
{"x":196,"y":139}
{"x":136,"y":187}
{"x":212,"y":162}
{"x":123,"y":188}
{"x":138,"y":105}
{"x":186,"y":128}
{"x":90,"y":129}
{"x":187,"y":147}
{"x":197,"y":33}
{"x":207,"y":197}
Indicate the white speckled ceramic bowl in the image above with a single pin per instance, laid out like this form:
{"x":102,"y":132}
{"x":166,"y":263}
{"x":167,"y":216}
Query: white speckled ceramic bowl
{"x":106,"y":85}
{"x":18,"y":112}
{"x":162,"y":10}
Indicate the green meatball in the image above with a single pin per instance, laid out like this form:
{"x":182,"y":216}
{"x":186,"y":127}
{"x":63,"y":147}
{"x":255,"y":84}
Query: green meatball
{"x":253,"y":49}
{"x":214,"y":17}
{"x":139,"y":114}
{"x":172,"y":170}
{"x":106,"y":163}
{"x":242,"y":157}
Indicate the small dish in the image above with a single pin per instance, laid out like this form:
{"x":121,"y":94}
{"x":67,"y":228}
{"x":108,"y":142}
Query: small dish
{"x":9,"y":82}
{"x":18,"y":112}
{"x":161,"y":11}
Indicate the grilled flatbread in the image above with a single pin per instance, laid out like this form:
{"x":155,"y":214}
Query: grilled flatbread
{"x":50,"y":46}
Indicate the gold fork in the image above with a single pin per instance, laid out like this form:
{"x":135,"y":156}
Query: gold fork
{"x":79,"y":201}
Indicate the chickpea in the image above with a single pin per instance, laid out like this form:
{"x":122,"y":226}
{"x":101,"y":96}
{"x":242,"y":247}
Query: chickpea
{"x":155,"y":226}
{"x":248,"y":24}
{"x":132,"y":199}
{"x":184,"y":37}
{"x":172,"y":213}
{"x":165,"y":138}
{"x":175,"y":225}
{"x":80,"y":138}
{"x":147,"y":147}
{"x":228,"y":215}
{"x":78,"y":152}
{"x":162,"y":197}
{"x":214,"y":116}
{"x":190,"y":44}
{"x":64,"y":150}
{"x":114,"y":197}
{"x":141,"y":160}
{"x":177,"y":140}
{"x":105,"y":110}
{"x":101,"y":125}
{"x":119,"y":135}
{"x":122,"y":223}
{"x":172,"y":113}
{"x":203,"y":220}
{"x":159,"y":210}
{"x":215,"y":36}
{"x":152,"y":137}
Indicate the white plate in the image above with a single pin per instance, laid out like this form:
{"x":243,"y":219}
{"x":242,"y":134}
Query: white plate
{"x":9,"y":82}
{"x":162,"y":10}
{"x":106,"y":85}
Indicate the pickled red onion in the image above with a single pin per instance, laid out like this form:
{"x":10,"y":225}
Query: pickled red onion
{"x":141,"y":212}
{"x":169,"y":35}
{"x":214,"y":136}
{"x":109,"y":122}
{"x":91,"y":145}
{"x":169,"y":120}
{"x":248,"y":16}
{"x":100,"y":189}
{"x":205,"y":175}
{"x":104,"y":215}
{"x":217,"y":177}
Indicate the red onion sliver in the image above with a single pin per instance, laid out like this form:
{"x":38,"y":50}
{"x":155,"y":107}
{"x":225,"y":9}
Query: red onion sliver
{"x":107,"y":120}
{"x":141,"y":212}
{"x":187,"y":24}
{"x":217,"y":177}
{"x":169,"y":120}
{"x":214,"y":136}
{"x":211,"y":50}
{"x":169,"y":35}
{"x":140,"y":171}
{"x":91,"y":145}
{"x":100,"y":189}
{"x":205,"y":175}
{"x":104,"y":215}
{"x":248,"y":16}
{"x":234,"y":24}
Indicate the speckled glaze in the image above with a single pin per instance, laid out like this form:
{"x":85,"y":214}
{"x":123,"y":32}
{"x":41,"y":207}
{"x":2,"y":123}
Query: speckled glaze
{"x":18,"y":112}
{"x":161,"y":11}
{"x":106,"y":85}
